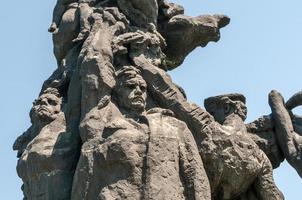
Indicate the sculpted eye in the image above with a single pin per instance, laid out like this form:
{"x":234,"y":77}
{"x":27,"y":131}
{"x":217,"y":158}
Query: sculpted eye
{"x":52,"y":102}
{"x":131,"y":86}
{"x":143,"y":88}
{"x":37,"y":101}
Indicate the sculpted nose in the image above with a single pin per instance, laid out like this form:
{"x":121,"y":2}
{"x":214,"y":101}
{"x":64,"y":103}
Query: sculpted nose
{"x":43,"y":101}
{"x":138,"y":90}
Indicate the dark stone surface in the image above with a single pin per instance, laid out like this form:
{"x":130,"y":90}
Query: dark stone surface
{"x":109,"y":123}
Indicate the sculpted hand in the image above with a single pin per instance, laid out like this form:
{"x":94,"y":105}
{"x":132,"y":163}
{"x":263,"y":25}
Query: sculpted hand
{"x":275,"y":98}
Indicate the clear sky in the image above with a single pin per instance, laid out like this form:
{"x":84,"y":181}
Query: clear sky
{"x":259,"y":51}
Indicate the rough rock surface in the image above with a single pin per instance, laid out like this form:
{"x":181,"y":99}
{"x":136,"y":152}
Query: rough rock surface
{"x":48,"y":153}
{"x":135,"y":154}
{"x":109,"y":123}
{"x":287,"y":134}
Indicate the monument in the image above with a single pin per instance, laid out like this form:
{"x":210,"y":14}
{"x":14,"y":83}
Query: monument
{"x":109,"y":123}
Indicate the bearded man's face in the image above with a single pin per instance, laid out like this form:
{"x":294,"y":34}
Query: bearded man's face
{"x":46,"y":107}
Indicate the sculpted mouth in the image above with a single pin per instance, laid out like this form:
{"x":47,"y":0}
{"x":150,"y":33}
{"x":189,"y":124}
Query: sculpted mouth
{"x":138,"y":99}
{"x":43,"y":108}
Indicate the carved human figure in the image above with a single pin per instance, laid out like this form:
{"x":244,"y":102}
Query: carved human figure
{"x":287,"y":134}
{"x":262,"y":131}
{"x":59,"y":10}
{"x":45,"y":109}
{"x":133,"y":154}
{"x":70,"y":25}
{"x":276,"y":142}
{"x":47,"y":153}
{"x":238,"y":151}
{"x":233,"y":162}
{"x":177,"y":29}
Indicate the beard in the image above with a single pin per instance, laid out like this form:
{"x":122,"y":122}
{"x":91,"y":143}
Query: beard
{"x":138,"y":104}
{"x":42,"y":114}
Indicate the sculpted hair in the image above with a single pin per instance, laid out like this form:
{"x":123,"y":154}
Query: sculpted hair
{"x":53,"y":91}
{"x":125,"y":73}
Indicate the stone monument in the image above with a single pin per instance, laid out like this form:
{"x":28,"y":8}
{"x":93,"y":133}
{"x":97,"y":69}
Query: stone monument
{"x":109,"y":123}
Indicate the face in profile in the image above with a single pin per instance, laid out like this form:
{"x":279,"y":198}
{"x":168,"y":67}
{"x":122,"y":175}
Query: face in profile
{"x":46,"y":107}
{"x":241,"y":110}
{"x":132,"y":94}
{"x":222,"y":106}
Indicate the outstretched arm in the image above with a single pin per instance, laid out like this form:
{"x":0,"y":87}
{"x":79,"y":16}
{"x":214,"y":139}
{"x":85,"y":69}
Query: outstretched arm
{"x":168,"y":95}
{"x":290,"y":142}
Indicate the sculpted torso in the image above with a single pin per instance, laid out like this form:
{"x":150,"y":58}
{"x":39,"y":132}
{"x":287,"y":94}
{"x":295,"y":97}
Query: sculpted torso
{"x":106,"y":52}
{"x":119,"y":158}
{"x":234,"y":161}
{"x":137,"y":154}
{"x":41,"y":165}
{"x":42,"y":149}
{"x":239,"y":164}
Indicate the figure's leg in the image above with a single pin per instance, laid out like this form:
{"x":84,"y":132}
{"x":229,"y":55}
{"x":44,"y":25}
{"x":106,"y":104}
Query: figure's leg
{"x":58,"y":12}
{"x":85,"y":13}
{"x":289,"y":141}
{"x":264,"y":185}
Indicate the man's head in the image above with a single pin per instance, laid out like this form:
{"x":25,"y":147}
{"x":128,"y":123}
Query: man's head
{"x":131,"y":89}
{"x":47,"y":106}
{"x":224,"y":105}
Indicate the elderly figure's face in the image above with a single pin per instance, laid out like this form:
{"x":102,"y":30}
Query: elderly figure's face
{"x":46,"y":107}
{"x":132,"y":94}
{"x":228,"y":108}
{"x":220,"y":107}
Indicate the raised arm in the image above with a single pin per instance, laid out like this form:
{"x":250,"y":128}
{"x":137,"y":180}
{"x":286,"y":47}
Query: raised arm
{"x":168,"y":95}
{"x":289,"y":141}
{"x":96,"y":63}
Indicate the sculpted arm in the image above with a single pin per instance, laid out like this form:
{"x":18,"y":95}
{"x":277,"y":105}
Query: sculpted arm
{"x":97,"y":72}
{"x":168,"y":95}
{"x":289,"y":141}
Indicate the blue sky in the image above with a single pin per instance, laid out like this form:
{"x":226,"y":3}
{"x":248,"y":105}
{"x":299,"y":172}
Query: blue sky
{"x":259,"y":51}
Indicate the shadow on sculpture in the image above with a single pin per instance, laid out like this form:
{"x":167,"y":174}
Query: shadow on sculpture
{"x":288,"y":128}
{"x":244,"y":164}
{"x":111,"y":124}
{"x":47,"y":152}
{"x":135,"y":154}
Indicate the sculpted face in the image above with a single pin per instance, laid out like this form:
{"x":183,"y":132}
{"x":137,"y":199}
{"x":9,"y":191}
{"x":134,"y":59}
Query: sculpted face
{"x":132,"y":94}
{"x":46,"y":107}
{"x":227,"y":108}
{"x":222,"y":106}
{"x":242,"y":110}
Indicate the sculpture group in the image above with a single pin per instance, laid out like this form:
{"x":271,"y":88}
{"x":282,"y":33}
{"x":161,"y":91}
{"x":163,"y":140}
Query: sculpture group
{"x":109,"y":123}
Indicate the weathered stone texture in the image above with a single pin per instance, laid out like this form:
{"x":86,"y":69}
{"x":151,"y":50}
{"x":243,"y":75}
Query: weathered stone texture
{"x":109,"y":123}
